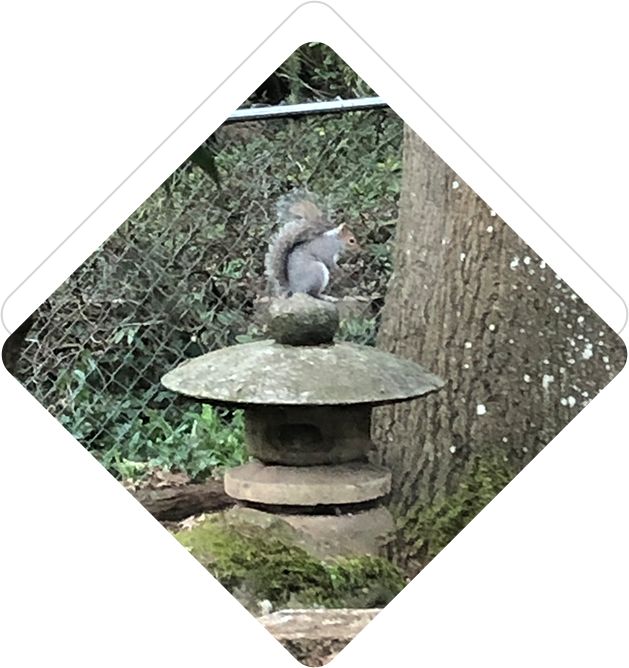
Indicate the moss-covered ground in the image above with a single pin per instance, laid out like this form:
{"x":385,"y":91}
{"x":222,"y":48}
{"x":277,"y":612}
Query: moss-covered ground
{"x":263,"y":564}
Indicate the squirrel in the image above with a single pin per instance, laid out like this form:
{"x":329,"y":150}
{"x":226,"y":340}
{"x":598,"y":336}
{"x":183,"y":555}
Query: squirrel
{"x":305,"y":251}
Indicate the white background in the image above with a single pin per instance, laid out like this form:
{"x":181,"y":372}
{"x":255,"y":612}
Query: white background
{"x":540,"y":577}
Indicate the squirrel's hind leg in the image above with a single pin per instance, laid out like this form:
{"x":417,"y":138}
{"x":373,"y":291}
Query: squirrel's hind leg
{"x":324,"y":285}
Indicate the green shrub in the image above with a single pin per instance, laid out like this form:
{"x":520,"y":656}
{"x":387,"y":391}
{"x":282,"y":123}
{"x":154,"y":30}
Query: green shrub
{"x":203,"y":440}
{"x":358,"y":330}
{"x":136,"y":432}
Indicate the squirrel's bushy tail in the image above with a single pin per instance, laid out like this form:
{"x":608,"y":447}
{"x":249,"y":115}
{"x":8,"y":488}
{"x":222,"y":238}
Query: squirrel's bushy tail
{"x":301,"y":219}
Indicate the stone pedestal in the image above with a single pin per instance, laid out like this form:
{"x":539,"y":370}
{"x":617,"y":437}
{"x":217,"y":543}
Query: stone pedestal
{"x":335,"y":507}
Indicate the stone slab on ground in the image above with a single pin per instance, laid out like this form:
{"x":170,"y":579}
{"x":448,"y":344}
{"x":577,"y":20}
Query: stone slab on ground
{"x":315,"y":637}
{"x":331,"y":484}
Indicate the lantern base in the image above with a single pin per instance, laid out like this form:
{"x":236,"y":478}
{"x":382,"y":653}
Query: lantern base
{"x":352,"y":534}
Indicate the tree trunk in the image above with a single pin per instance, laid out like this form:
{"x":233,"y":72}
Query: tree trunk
{"x":520,"y":352}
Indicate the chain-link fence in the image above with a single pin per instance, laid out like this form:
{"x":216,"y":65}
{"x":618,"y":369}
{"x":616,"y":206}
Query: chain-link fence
{"x":184,"y":275}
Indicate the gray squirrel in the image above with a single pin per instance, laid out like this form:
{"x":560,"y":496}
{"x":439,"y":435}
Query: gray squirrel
{"x":304,"y":253}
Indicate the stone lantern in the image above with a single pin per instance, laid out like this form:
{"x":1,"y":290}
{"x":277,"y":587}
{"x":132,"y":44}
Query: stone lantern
{"x":307,"y":403}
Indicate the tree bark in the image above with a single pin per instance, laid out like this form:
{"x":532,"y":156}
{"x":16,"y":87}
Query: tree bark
{"x":519,"y":350}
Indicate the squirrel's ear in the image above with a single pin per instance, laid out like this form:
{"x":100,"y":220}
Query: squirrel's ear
{"x":341,"y":227}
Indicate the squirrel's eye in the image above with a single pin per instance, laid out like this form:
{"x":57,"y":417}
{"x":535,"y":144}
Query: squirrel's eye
{"x":352,"y":240}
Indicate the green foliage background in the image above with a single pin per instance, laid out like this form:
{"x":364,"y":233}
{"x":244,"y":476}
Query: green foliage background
{"x":182,"y":275}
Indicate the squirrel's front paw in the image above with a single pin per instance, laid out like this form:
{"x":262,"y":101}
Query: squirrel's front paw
{"x":328,"y":298}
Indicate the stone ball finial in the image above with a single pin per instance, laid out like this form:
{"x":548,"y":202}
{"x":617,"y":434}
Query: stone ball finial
{"x":301,"y":320}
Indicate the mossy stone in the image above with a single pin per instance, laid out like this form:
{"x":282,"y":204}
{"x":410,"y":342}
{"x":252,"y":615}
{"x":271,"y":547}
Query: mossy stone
{"x":302,"y":320}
